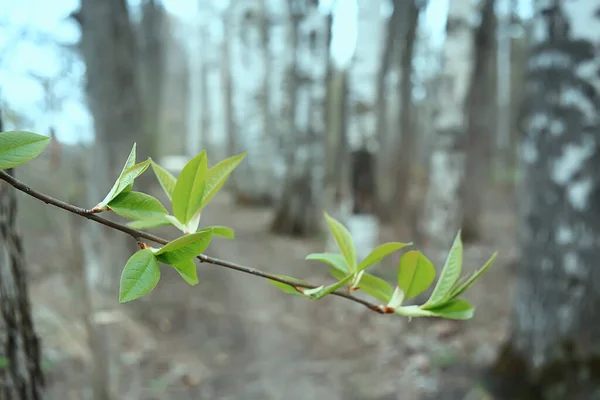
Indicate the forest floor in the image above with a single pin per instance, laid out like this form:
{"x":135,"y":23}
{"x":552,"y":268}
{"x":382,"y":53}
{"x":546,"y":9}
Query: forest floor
{"x":235,"y":336}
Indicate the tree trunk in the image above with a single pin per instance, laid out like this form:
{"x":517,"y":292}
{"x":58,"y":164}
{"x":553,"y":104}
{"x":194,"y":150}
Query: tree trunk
{"x":404,"y":152}
{"x":152,"y":70}
{"x":385,"y":157}
{"x":22,"y":377}
{"x":256,"y":178}
{"x":299,"y":210}
{"x":552,"y":352}
{"x":108,"y":51}
{"x":479,"y":129}
{"x":443,"y":211}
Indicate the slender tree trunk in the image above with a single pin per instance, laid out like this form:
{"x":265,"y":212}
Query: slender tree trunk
{"x":479,"y":130}
{"x":22,"y":377}
{"x":299,"y":210}
{"x":385,"y":157}
{"x":404,"y":153}
{"x":443,"y":209}
{"x":152,"y":70}
{"x":552,"y":352}
{"x":108,"y":51}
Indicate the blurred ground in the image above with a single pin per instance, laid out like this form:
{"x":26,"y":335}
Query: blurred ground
{"x":235,"y":336}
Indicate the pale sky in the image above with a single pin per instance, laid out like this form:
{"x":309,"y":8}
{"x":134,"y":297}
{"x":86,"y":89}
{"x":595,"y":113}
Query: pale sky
{"x":43,"y":17}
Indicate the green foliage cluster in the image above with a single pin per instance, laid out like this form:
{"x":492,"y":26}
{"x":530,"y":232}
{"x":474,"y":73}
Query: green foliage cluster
{"x":193,"y":189}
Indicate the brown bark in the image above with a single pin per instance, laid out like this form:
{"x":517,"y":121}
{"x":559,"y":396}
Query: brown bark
{"x":22,"y":377}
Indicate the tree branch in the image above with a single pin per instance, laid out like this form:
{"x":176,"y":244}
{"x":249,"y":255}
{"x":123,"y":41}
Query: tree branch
{"x":137,"y":235}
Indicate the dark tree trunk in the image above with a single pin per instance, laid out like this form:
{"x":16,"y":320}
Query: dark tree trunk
{"x":553,"y":352}
{"x":22,"y":377}
{"x":407,"y":141}
{"x":479,"y":128}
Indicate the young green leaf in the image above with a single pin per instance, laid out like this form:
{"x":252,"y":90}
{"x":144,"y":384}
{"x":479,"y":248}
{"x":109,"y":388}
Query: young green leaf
{"x":455,"y":309}
{"x":187,"y":270}
{"x":413,"y":311}
{"x":448,"y":276}
{"x":463,"y":285}
{"x":380,"y":252}
{"x":336,"y":260}
{"x":184,"y":248}
{"x":150,"y":223}
{"x":397,"y":298}
{"x":138,"y":206}
{"x":415,"y":273}
{"x":344,"y":241}
{"x":287,"y":288}
{"x":370,"y":284}
{"x":124,"y":182}
{"x":165,"y":178}
{"x":19,"y":147}
{"x":222,"y":231}
{"x":140,"y":275}
{"x":189,"y":188}
{"x":217,"y":176}
{"x":322,"y":291}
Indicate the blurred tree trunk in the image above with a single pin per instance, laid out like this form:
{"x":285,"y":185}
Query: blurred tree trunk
{"x":108,"y":50}
{"x":257,"y":177}
{"x":479,"y":128}
{"x":22,"y":377}
{"x":227,"y":86}
{"x":337,"y":193}
{"x":404,"y":152}
{"x":385,"y":156}
{"x":299,"y":209}
{"x":443,"y":208}
{"x":152,"y":72}
{"x":552,"y":352}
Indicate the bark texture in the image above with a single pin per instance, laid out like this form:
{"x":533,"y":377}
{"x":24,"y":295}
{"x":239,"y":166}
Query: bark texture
{"x":22,"y":377}
{"x":443,"y":209}
{"x":553,"y":350}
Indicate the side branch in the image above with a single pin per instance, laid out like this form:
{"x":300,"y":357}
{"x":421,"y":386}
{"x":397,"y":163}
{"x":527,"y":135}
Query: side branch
{"x":138,"y":235}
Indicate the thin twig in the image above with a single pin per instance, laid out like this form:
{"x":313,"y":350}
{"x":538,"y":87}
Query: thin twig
{"x":137,"y":235}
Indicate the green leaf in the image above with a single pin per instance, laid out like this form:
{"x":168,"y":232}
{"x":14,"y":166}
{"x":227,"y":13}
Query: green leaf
{"x":415,"y":273}
{"x":322,"y":291}
{"x":184,"y":248}
{"x":376,"y":287}
{"x":448,"y":276}
{"x":165,"y":178}
{"x":187,"y":270}
{"x":150,"y":223}
{"x":380,"y":252}
{"x":369,"y":284}
{"x":138,"y":206}
{"x":222,"y":231}
{"x":19,"y":147}
{"x":189,"y":188}
{"x":125,"y":180}
{"x":140,"y":275}
{"x":287,"y":288}
{"x":397,"y":298}
{"x":458,"y":308}
{"x":217,"y":176}
{"x":464,"y":284}
{"x":344,"y":241}
{"x":334,"y":259}
{"x":414,"y":311}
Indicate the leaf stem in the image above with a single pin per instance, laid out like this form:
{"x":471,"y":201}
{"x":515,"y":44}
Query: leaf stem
{"x":137,"y":235}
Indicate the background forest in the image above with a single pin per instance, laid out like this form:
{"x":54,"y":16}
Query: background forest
{"x":407,"y":120}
